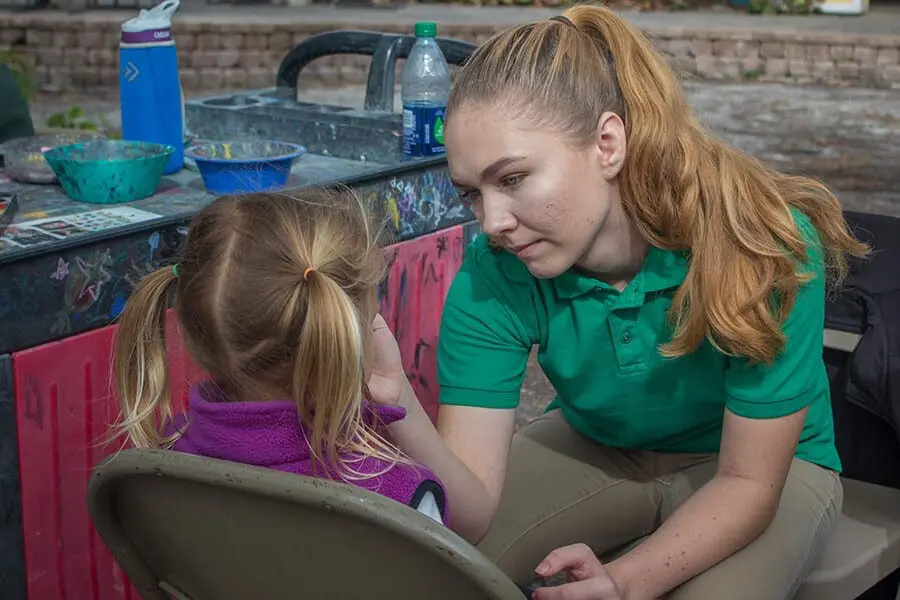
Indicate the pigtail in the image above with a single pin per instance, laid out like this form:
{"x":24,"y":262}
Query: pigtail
{"x":140,"y":362}
{"x":336,"y":307}
{"x":328,"y":368}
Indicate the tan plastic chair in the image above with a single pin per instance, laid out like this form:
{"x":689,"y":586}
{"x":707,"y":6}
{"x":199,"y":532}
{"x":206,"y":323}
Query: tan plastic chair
{"x":194,"y":528}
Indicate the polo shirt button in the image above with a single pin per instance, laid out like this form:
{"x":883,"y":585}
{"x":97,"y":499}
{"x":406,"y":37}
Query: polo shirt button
{"x":626,"y":337}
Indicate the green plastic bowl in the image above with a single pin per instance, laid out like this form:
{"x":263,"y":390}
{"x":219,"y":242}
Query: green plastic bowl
{"x":109,"y":171}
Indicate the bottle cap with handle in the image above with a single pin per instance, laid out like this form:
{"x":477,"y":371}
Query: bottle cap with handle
{"x":153,"y":26}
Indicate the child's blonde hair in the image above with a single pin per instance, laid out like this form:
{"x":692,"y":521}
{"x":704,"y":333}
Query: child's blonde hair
{"x":274,"y":296}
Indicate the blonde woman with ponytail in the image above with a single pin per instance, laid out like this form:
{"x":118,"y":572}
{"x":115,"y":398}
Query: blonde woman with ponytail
{"x":674,"y":288}
{"x":275,"y":297}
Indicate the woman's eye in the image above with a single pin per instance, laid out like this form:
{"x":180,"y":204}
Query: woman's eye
{"x":469,"y":197}
{"x":512,"y":180}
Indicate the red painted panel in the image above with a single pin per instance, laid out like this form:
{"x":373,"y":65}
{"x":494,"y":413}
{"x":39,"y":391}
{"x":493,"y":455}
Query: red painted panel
{"x":412,"y":299}
{"x":64,"y":406}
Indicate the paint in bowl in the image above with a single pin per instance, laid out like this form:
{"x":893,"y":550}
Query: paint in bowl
{"x":109,"y":171}
{"x":242,"y":167}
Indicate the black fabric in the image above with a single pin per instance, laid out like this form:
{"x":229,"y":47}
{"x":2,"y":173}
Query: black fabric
{"x":865,"y":384}
{"x":869,"y":304}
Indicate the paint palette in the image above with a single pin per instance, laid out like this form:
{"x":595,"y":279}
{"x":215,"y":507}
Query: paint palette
{"x":53,"y":229}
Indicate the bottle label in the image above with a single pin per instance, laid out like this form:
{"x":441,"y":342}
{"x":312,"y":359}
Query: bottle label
{"x":423,"y":130}
{"x":150,"y":36}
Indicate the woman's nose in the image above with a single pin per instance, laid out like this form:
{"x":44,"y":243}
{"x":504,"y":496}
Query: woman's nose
{"x":496,"y":219}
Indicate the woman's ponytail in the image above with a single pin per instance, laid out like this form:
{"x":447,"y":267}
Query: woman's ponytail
{"x":684,"y":189}
{"x":662,"y":132}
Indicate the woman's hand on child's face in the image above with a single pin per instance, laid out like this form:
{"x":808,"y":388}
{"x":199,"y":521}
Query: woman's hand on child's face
{"x":386,"y":376}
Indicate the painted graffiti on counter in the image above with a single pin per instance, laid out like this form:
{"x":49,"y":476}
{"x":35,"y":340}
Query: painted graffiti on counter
{"x":417,"y":204}
{"x":86,"y":278}
{"x":84,"y":285}
{"x":90,"y":276}
{"x":59,"y":294}
{"x":62,"y":270}
{"x":54,"y":294}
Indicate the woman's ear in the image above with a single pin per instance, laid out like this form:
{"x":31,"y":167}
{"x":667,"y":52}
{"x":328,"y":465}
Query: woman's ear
{"x":611,"y":144}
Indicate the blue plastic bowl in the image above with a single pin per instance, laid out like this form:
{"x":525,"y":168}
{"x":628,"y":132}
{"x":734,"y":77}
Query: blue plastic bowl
{"x":242,"y":167}
{"x":109,"y":171}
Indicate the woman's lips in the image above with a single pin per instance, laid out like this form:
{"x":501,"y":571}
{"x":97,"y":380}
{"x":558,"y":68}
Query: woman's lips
{"x":526,"y":250}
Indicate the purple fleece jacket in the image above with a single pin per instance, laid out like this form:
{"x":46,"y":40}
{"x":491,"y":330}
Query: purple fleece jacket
{"x":269,"y":434}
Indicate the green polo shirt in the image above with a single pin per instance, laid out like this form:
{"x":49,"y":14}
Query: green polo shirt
{"x":600,"y":349}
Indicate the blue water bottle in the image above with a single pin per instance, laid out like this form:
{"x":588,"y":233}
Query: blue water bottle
{"x":150,"y":92}
{"x":425,"y":86}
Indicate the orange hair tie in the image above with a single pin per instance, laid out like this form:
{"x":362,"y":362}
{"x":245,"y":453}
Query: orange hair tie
{"x":307,"y":272}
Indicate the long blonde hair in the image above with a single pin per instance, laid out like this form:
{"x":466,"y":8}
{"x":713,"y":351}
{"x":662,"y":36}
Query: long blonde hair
{"x":274,"y":296}
{"x":683,"y":188}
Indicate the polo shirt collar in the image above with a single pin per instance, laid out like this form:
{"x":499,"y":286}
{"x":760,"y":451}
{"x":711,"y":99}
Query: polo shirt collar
{"x":662,"y":270}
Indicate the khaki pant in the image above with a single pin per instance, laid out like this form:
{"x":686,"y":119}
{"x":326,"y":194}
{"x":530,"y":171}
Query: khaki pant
{"x":563,"y":488}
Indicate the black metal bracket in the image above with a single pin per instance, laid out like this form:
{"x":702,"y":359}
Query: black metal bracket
{"x":384,"y":48}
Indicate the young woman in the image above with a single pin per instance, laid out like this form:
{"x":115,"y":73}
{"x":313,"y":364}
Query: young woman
{"x":674,"y":288}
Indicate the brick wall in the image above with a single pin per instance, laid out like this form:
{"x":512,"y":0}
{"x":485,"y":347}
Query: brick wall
{"x":78,"y":53}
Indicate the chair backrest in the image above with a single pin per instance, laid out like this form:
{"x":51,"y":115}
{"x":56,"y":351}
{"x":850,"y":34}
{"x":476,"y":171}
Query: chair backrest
{"x":196,"y":528}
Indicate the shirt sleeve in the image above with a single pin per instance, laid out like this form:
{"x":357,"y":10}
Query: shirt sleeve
{"x":484,"y":344}
{"x":796,"y":376}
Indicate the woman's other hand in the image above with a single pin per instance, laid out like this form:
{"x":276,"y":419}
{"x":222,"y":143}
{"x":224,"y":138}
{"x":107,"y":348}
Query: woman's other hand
{"x":386,"y":376}
{"x":588,"y":578}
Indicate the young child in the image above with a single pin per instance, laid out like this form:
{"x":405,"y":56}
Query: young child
{"x":275,"y":296}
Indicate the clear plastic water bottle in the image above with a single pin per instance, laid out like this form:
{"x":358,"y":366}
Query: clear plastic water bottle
{"x":150,"y":94}
{"x":425,"y":85}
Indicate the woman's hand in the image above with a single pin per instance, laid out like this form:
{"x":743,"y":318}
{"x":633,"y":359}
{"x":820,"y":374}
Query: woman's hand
{"x":386,"y":376}
{"x":588,"y":579}
{"x":470,"y":453}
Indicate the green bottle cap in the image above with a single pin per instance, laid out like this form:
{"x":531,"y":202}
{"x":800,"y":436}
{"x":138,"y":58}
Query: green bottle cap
{"x":426,"y":29}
